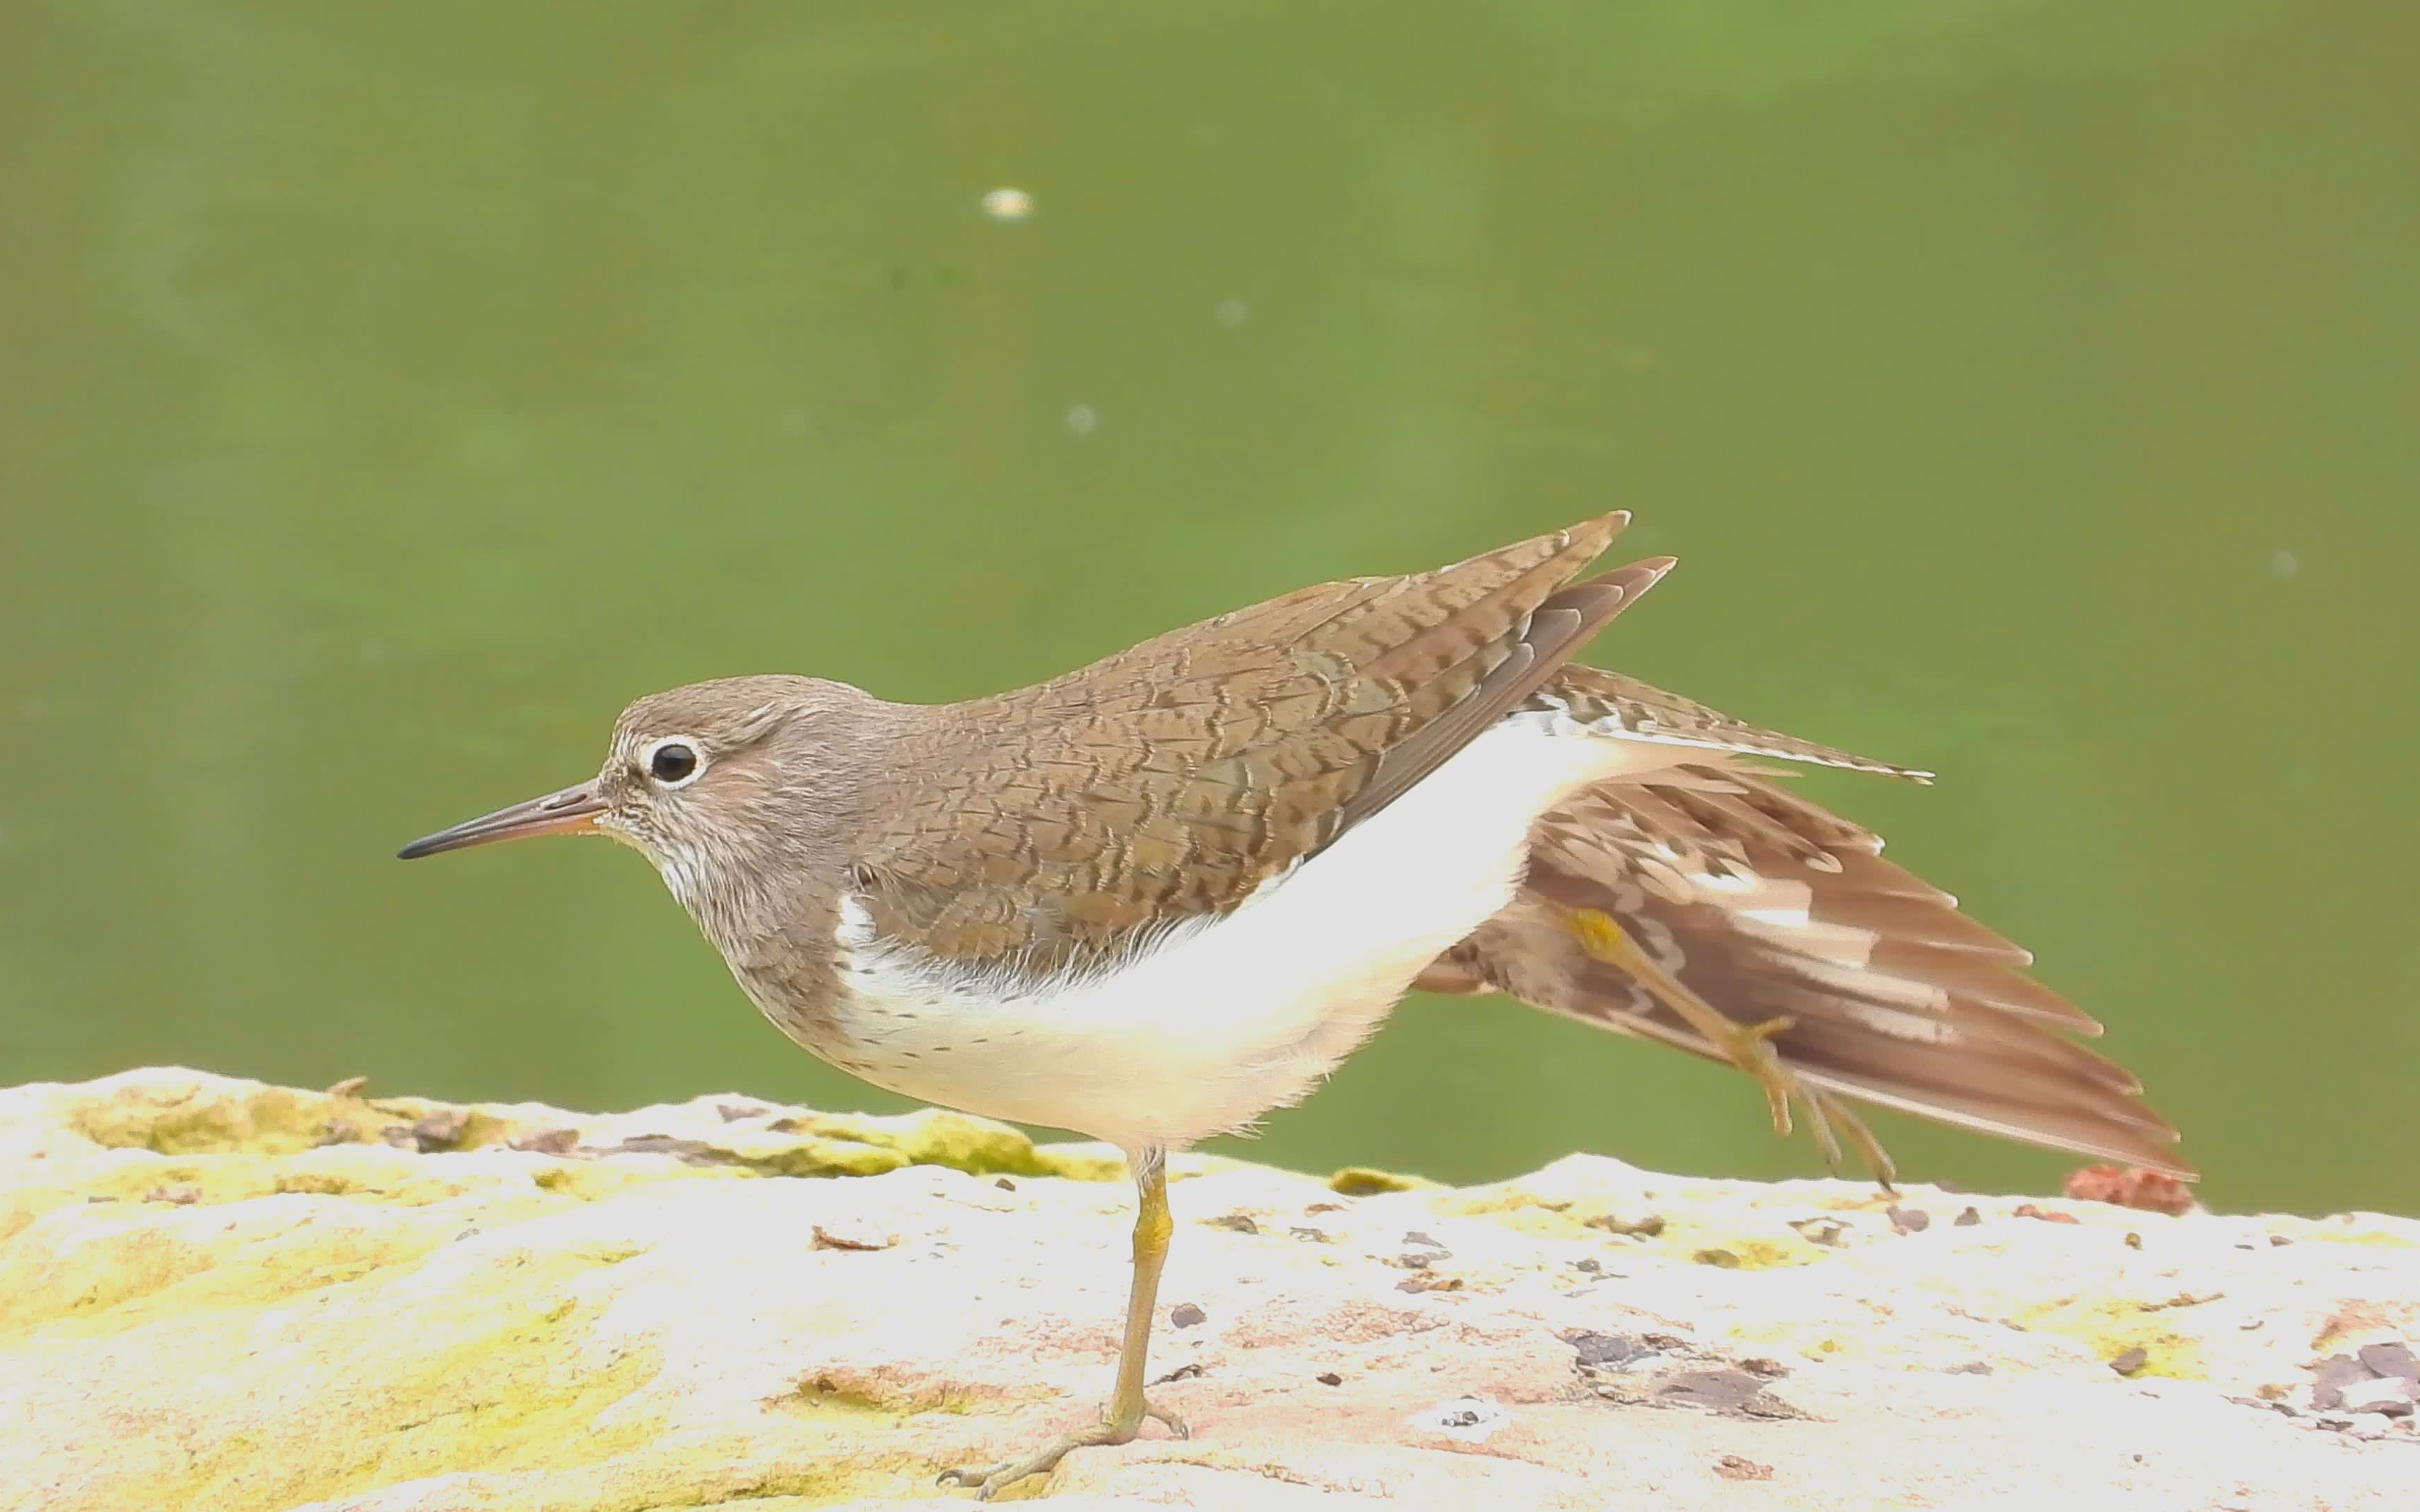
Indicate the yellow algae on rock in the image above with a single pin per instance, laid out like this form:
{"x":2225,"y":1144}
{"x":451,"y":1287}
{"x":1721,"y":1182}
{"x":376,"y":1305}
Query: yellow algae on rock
{"x":1365,"y":1180}
{"x":932,"y":1136}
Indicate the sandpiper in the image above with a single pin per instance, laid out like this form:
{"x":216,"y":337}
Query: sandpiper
{"x":1158,"y":897}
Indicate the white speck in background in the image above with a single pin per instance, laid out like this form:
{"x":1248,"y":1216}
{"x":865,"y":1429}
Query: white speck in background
{"x":1231,"y":312}
{"x":2285,"y":564}
{"x":1083,"y":420}
{"x":1008,"y":203}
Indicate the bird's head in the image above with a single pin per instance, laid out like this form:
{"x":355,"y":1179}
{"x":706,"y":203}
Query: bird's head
{"x":707,"y":779}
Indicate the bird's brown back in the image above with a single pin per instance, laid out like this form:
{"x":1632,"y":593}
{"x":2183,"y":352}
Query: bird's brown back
{"x":1063,"y":822}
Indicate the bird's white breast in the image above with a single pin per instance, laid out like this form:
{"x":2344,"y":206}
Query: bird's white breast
{"x":1225,"y":1019}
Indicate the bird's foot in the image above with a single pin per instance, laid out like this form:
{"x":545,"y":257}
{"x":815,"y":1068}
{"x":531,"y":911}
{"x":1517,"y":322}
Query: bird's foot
{"x":1750,"y":1048}
{"x":990,"y":1480}
{"x":1823,"y":1110}
{"x":1747,"y":1046}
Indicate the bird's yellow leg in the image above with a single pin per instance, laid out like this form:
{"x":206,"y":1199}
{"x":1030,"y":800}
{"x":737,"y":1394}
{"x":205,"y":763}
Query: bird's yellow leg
{"x":1747,"y":1046}
{"x":1128,"y":1407}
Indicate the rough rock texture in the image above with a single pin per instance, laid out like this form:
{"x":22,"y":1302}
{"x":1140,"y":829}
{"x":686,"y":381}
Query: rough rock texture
{"x":223,"y":1295}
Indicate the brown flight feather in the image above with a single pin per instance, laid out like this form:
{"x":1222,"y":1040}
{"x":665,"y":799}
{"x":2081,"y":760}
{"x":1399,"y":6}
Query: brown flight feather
{"x":1768,"y":906}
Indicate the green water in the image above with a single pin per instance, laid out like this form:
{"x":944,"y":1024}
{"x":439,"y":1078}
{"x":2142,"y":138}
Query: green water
{"x":389,"y":393}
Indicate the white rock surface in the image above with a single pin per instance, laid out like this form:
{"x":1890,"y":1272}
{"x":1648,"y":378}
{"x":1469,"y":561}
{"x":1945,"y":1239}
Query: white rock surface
{"x":215,"y":1294}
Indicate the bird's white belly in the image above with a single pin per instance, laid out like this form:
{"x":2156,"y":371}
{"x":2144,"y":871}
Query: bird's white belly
{"x":1224,"y":1021}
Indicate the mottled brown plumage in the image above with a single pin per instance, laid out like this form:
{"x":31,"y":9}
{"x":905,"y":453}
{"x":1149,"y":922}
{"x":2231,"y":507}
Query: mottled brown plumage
{"x":1173,"y":780}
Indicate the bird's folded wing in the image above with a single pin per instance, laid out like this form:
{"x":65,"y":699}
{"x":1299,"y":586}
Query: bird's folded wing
{"x":1166,"y":782}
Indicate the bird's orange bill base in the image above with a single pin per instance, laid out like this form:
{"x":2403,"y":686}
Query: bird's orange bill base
{"x":570,"y":810}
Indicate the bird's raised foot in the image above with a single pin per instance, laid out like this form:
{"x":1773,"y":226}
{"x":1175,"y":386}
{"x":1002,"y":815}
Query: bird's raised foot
{"x":989,"y":1480}
{"x":1823,"y":1110}
{"x":1747,"y":1046}
{"x":1750,"y":1048}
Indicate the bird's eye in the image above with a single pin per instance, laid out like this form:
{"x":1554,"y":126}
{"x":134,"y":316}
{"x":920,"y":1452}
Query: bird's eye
{"x":673,"y":762}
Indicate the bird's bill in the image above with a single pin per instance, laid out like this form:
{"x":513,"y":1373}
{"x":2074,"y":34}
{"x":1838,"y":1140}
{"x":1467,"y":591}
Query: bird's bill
{"x":570,"y":810}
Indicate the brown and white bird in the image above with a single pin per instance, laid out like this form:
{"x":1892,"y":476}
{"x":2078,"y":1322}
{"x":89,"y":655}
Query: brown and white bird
{"x":1158,"y":897}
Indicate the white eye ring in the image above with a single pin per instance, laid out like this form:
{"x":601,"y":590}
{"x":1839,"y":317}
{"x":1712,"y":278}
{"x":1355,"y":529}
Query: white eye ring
{"x":672,"y":762}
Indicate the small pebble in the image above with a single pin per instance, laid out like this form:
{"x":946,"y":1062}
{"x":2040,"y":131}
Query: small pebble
{"x":1967,"y":1219}
{"x":441,"y":1130}
{"x":2048,"y":1215}
{"x":1329,"y":1378}
{"x":847,"y":1238}
{"x":1826,"y":1232}
{"x":1469,"y":1419}
{"x":1739,"y":1467}
{"x":2394,"y":1358}
{"x":1908,"y":1220}
{"x":1645,"y":1226}
{"x":1606,"y":1349}
{"x":2330,"y":1378}
{"x":1185,"y":1314}
{"x":2131,"y":1361}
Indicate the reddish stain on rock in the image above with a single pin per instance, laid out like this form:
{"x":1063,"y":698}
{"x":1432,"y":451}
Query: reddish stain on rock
{"x":2130,"y":1186}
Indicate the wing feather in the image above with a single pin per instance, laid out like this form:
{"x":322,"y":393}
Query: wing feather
{"x":1767,"y":906}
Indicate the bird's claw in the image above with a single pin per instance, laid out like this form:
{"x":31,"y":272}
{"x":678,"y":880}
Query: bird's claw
{"x":1747,"y":1046}
{"x":990,"y":1480}
{"x":1750,"y":1048}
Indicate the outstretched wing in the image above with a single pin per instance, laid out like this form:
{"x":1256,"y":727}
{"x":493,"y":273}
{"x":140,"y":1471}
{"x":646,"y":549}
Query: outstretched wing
{"x":1767,"y":907}
{"x":1079,"y":818}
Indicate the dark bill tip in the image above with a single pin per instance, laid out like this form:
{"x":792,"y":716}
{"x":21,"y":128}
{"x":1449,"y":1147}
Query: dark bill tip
{"x":570,"y":810}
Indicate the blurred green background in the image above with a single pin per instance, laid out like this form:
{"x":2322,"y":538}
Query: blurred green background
{"x":387,"y":393}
